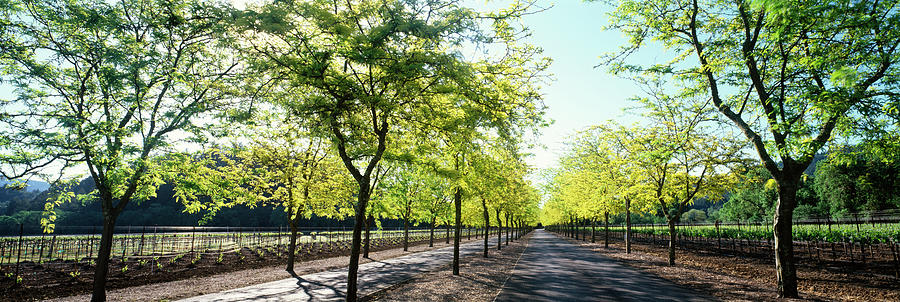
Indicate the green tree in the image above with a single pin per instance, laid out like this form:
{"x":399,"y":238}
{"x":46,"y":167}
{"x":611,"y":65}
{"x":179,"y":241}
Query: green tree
{"x":684,"y":157}
{"x":374,"y":69}
{"x":405,"y":189}
{"x":624,"y":170}
{"x":106,"y":87}
{"x":282,"y":166}
{"x":861,"y":184}
{"x":805,"y":69}
{"x":378,"y":206}
{"x":435,"y":208}
{"x":752,"y":198}
{"x":693,"y":215}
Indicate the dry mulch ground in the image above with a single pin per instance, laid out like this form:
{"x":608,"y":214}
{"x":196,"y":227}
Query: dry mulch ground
{"x":736,"y":278}
{"x":180,"y":289}
{"x":480,"y":279}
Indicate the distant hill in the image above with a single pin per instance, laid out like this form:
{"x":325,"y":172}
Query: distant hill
{"x":163,"y":210}
{"x":811,"y":170}
{"x":32,"y":185}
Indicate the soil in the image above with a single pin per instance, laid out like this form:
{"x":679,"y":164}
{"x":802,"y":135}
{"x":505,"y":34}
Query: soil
{"x":480,"y":279}
{"x":166,"y":278}
{"x":736,"y":277}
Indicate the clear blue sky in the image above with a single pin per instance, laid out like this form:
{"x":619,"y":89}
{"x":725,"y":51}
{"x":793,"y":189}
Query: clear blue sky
{"x":571,"y":33}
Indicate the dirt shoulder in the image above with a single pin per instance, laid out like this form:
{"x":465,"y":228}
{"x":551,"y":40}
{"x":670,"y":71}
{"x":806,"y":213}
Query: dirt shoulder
{"x":185,"y":288}
{"x":480,"y":278}
{"x":736,"y":278}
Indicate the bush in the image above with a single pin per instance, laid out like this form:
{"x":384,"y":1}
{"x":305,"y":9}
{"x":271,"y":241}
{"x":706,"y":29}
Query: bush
{"x":693,"y":215}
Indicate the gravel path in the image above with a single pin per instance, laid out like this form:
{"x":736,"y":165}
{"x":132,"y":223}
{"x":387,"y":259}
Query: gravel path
{"x":331,"y":285}
{"x":553,"y":269}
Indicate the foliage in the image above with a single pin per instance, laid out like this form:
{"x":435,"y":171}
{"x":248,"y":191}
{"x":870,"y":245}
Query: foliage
{"x":788,"y":74}
{"x":863,"y":185}
{"x":752,"y":198}
{"x":108,"y":85}
{"x":693,"y":215}
{"x":366,"y":73}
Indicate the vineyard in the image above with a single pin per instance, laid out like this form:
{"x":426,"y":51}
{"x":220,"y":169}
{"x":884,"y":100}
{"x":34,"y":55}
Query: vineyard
{"x":869,"y":247}
{"x":158,"y":251}
{"x":144,"y":245}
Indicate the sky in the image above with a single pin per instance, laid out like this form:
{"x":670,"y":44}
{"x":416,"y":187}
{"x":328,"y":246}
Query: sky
{"x":571,"y":32}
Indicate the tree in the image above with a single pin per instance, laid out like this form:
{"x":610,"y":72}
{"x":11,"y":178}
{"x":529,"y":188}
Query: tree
{"x":683,"y":158}
{"x":862,"y":183}
{"x":373,"y":69}
{"x":618,"y":157}
{"x":106,"y":87}
{"x":693,"y":215}
{"x":378,"y":207}
{"x":405,"y":190}
{"x":806,"y":70}
{"x":597,"y":179}
{"x":494,"y":169}
{"x":752,"y":198}
{"x":298,"y":174}
{"x":282,"y":166}
{"x":435,"y":208}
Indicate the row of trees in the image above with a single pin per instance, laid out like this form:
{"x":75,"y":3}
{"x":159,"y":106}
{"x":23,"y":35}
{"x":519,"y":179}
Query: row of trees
{"x":794,"y":78}
{"x":334,"y":108}
{"x":661,"y":169}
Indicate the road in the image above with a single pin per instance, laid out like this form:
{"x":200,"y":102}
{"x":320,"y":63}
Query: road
{"x":332,"y":285}
{"x":554,"y":269}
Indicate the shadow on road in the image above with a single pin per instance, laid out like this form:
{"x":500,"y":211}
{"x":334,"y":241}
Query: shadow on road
{"x":552,"y":269}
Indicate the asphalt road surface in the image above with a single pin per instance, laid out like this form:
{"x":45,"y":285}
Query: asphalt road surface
{"x":332,"y":285}
{"x":553,"y":269}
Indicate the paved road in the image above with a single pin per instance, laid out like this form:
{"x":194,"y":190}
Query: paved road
{"x":332,"y":285}
{"x":553,"y":269}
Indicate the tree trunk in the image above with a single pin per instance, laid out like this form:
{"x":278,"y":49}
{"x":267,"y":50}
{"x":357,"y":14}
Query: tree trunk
{"x":507,"y":229}
{"x":406,"y":230}
{"x":627,"y":226}
{"x":292,"y":247}
{"x":583,"y":233}
{"x":784,"y":249}
{"x":671,"y":221}
{"x":457,"y":201}
{"x":606,"y":221}
{"x":575,"y":228}
{"x":353,"y":268}
{"x":431,"y":236}
{"x":487,"y":224}
{"x":518,"y":229}
{"x":369,"y":222}
{"x":499,"y":231}
{"x":102,"y":269}
{"x":572,"y":232}
{"x":593,"y":231}
{"x":516,"y":226}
